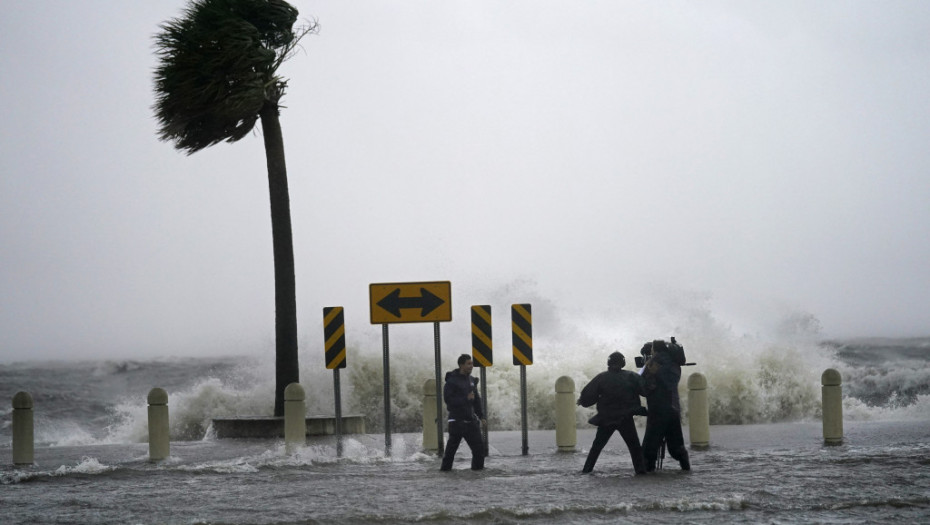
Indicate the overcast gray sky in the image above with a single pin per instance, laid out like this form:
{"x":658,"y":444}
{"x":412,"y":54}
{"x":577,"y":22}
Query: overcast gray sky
{"x":764,"y":157}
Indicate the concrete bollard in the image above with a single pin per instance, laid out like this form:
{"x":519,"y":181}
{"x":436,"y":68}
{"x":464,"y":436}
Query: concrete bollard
{"x":698,"y":412}
{"x":566,"y":436}
{"x":295,"y":417}
{"x":159,"y":436}
{"x":430,"y":436}
{"x":832,"y":391}
{"x":23,"y":430}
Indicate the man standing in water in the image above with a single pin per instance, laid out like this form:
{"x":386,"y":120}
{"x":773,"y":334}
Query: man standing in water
{"x":616,"y":393}
{"x":661,"y":374}
{"x":465,"y":414}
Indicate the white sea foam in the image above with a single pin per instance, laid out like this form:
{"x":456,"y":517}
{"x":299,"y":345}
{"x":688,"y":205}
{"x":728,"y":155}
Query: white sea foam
{"x":770,"y":374}
{"x":555,"y":510}
{"x":64,"y":434}
{"x":280,"y":455}
{"x":190,"y":411}
{"x":87,"y":465}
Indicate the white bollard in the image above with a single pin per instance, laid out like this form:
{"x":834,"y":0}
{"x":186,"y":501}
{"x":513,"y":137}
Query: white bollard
{"x":295,"y":417}
{"x":832,"y":391}
{"x":698,"y":412}
{"x":23,"y":430}
{"x":159,"y":435}
{"x":430,"y":436}
{"x":566,"y":436}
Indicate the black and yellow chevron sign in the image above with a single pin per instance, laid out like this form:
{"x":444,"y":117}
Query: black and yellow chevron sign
{"x":334,"y":337}
{"x":481,"y":346}
{"x":521,"y":317}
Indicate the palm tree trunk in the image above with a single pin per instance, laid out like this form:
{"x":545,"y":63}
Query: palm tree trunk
{"x":285,"y":288}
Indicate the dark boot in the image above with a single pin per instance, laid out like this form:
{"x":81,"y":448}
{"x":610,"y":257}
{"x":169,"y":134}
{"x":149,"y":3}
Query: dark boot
{"x":684,"y":460}
{"x":477,"y":461}
{"x":639,"y":464}
{"x":448,"y":457}
{"x":588,"y":466}
{"x":589,"y":463}
{"x":650,"y":462}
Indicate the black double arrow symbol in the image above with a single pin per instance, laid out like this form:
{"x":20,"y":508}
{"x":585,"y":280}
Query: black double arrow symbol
{"x":393,"y":303}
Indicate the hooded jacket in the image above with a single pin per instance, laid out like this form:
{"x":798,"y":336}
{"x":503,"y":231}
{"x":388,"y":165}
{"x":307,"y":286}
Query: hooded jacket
{"x":661,"y":375}
{"x":616,"y":393}
{"x":455,"y":394}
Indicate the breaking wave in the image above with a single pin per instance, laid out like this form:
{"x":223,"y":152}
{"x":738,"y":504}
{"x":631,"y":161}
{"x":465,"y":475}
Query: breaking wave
{"x":765,"y":376}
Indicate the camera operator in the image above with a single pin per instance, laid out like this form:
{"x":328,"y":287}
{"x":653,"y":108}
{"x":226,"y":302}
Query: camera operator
{"x":661,"y":373}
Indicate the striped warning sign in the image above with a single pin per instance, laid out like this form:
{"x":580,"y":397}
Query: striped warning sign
{"x":481,"y":346}
{"x":521,"y":317}
{"x":334,"y":337}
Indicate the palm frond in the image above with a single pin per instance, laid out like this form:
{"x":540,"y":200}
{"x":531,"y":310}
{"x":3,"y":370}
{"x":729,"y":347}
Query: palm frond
{"x":217,"y":67}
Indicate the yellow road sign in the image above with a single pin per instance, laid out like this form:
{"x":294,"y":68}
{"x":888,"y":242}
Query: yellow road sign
{"x":481,"y":343}
{"x":334,"y":337}
{"x":425,"y":302}
{"x":522,"y":322}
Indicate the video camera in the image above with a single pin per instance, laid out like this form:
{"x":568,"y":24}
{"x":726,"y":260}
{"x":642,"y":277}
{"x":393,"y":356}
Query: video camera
{"x":645,"y":353}
{"x":651,"y":348}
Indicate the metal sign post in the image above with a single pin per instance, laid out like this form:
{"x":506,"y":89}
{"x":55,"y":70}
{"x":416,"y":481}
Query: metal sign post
{"x":334,"y":345}
{"x":521,"y":316}
{"x":387,"y":391}
{"x":484,"y":408}
{"x":338,"y":397}
{"x":440,"y":449}
{"x":523,"y":422}
{"x":410,"y":303}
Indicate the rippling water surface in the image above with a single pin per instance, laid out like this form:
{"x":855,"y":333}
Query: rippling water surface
{"x":92,"y":468}
{"x":775,"y":473}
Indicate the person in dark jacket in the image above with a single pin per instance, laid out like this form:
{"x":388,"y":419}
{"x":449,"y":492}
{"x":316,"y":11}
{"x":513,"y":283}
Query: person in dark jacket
{"x":466,"y":416}
{"x":661,"y":374}
{"x":616,"y":393}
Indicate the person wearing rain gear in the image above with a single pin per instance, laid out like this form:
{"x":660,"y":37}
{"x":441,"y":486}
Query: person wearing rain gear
{"x":616,"y":393}
{"x":661,"y":374}
{"x":466,"y":416}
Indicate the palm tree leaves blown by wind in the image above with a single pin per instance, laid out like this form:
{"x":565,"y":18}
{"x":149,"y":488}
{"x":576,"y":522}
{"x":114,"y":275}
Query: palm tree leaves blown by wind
{"x":218,"y":68}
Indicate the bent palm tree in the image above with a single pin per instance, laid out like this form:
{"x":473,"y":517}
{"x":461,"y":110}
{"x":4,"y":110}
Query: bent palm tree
{"x":217,"y":76}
